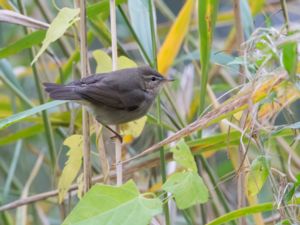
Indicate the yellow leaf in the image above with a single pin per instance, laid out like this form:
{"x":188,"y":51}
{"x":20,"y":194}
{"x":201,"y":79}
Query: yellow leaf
{"x":72,"y":166}
{"x":64,"y":19}
{"x":174,"y":39}
{"x":6,"y":5}
{"x":255,"y":6}
{"x":258,"y":174}
{"x":124,"y":62}
{"x":132,"y":129}
{"x":284,"y":96}
{"x":103,"y":61}
{"x":80,"y":184}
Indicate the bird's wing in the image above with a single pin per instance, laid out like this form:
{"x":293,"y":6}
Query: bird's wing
{"x":108,"y":92}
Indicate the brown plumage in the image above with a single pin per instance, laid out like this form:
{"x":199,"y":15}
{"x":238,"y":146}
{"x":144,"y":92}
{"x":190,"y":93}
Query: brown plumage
{"x":115,"y":97}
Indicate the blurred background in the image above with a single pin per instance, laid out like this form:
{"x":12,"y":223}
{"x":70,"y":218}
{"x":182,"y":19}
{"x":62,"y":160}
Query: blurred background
{"x":240,"y":60}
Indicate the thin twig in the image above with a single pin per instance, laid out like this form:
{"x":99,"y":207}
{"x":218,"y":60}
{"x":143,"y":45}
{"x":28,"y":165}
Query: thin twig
{"x":85,"y":115}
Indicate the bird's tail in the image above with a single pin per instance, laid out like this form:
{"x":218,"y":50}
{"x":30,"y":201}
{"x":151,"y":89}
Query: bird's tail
{"x":61,"y":92}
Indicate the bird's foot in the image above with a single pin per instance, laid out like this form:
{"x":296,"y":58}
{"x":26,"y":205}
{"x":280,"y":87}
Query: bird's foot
{"x":116,"y":134}
{"x":117,"y":137}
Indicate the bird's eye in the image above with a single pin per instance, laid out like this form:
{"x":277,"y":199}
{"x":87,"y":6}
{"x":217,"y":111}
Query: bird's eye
{"x":153,"y":78}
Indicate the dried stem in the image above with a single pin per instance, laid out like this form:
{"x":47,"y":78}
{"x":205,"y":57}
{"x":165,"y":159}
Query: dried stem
{"x":102,"y":155}
{"x":85,"y":115}
{"x":113,"y":29}
{"x":242,"y":152}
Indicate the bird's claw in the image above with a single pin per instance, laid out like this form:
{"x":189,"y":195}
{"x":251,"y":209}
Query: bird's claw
{"x":117,"y":136}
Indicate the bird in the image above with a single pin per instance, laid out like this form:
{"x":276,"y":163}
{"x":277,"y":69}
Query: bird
{"x":114,"y":97}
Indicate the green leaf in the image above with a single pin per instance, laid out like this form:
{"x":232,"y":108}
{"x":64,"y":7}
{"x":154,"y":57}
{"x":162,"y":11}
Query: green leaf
{"x":101,"y":7}
{"x":67,"y":68}
{"x":109,"y":205}
{"x":182,"y":155}
{"x":241,"y":212}
{"x":30,"y":112}
{"x":285,"y":222}
{"x":188,"y":189}
{"x":140,"y":20}
{"x":72,"y":166}
{"x":207,"y":13}
{"x":28,"y":41}
{"x":64,"y":19}
{"x":247,"y":19}
{"x":289,"y":194}
{"x":22,"y":134}
{"x":10,"y":80}
{"x":290,"y":58}
{"x":258,"y":174}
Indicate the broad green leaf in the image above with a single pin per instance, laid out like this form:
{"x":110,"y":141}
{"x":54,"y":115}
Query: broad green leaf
{"x":175,"y":37}
{"x":140,"y":20}
{"x":258,"y":174}
{"x":72,"y":166}
{"x":30,"y":112}
{"x":290,"y":58}
{"x":28,"y":41}
{"x":21,"y":134}
{"x":182,"y":155}
{"x":188,"y":189}
{"x":109,"y":205}
{"x":64,"y":19}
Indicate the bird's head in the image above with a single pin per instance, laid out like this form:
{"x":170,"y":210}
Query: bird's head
{"x":153,"y":80}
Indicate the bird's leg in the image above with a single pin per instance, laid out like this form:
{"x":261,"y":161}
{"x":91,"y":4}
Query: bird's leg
{"x":117,"y":135}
